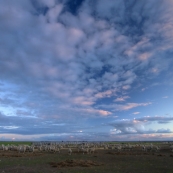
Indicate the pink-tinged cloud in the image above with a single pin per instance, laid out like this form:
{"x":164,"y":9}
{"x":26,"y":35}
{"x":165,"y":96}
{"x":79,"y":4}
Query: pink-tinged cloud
{"x":126,"y":87}
{"x":145,"y":56}
{"x":82,"y":101}
{"x":130,"y":106}
{"x":104,"y":94}
{"x":92,"y":111}
{"x":104,"y":113}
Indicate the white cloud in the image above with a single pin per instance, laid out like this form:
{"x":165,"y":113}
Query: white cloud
{"x":121,"y":99}
{"x":136,"y":113}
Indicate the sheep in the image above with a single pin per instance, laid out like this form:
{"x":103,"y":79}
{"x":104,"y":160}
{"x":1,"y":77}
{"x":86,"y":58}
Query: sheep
{"x":92,"y":150}
{"x":111,"y":147}
{"x":147,"y":147}
{"x":52,"y":148}
{"x":156,"y":148}
{"x":27,"y":147}
{"x":80,"y":148}
{"x":58,"y":148}
{"x":13,"y":148}
{"x":2,"y":147}
{"x":129,"y":147}
{"x":105,"y":147}
{"x":85,"y":150}
{"x":69,"y":151}
{"x":31,"y":149}
{"x":118,"y":148}
{"x":39,"y":148}
{"x":22,"y":148}
{"x":6,"y":148}
{"x":45,"y":148}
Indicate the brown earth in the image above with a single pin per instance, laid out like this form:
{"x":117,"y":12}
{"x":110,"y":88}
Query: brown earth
{"x":74,"y":163}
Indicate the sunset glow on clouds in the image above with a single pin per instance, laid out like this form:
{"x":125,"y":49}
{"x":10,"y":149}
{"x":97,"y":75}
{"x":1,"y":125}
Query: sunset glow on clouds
{"x":94,"y":70}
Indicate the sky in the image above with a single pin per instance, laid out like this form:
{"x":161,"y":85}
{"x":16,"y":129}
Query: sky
{"x":86,"y":70}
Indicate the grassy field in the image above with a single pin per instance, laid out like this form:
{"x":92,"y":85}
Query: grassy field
{"x":103,"y":161}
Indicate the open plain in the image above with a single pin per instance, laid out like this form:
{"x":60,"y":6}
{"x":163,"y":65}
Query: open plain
{"x":107,"y":160}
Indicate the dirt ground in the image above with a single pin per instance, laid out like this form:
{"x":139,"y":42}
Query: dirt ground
{"x":102,"y":161}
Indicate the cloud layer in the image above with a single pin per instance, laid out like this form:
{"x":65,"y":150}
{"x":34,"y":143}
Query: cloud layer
{"x":66,"y":63}
{"x":139,"y":125}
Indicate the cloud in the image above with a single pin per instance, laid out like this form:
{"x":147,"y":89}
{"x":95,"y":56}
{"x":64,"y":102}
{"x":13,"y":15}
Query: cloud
{"x":104,"y":113}
{"x":163,"y":131}
{"x":143,"y":89}
{"x":156,"y":118}
{"x":24,"y":113}
{"x":130,"y":106}
{"x":142,"y":137}
{"x":58,"y":61}
{"x":92,"y":112}
{"x":108,"y":93}
{"x":123,"y":107}
{"x":126,"y":87}
{"x":121,"y":99}
{"x":139,"y":125}
{"x":53,"y":13}
{"x":136,"y":113}
{"x":5,"y":101}
{"x":165,"y":97}
{"x":9,"y":127}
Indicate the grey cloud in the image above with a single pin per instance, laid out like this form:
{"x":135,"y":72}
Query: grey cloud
{"x":6,"y":101}
{"x":37,"y":71}
{"x":31,"y":125}
{"x":164,"y":131}
{"x":159,"y":119}
{"x":2,"y":117}
{"x":23,"y":113}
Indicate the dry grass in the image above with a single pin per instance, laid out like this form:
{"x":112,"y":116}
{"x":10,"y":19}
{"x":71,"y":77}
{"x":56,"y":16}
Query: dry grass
{"x":103,"y":161}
